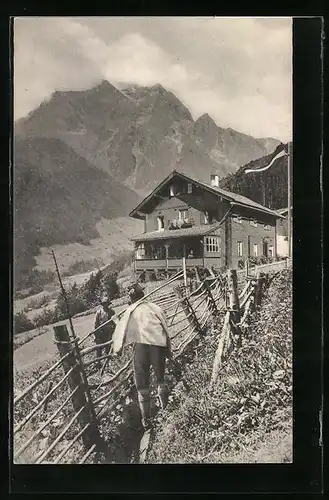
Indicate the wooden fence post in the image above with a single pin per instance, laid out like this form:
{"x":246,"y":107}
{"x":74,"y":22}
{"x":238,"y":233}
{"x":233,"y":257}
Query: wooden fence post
{"x":184,"y":269}
{"x":247,"y":267}
{"x":197,"y":275}
{"x":77,"y":379}
{"x":189,"y":311}
{"x":210,"y":296}
{"x":223,"y":339}
{"x":260,"y":279}
{"x":234,"y":295}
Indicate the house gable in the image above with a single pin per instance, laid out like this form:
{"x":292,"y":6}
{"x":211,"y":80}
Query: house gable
{"x":199,"y":195}
{"x":199,"y":207}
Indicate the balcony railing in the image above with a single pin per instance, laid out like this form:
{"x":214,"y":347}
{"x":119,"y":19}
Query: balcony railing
{"x":163,"y":264}
{"x":177,"y":263}
{"x":181,"y":223}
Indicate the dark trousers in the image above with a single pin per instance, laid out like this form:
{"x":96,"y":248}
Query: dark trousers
{"x":145,"y":356}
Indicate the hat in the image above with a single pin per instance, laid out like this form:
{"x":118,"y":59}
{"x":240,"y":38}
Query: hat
{"x":136,"y":292}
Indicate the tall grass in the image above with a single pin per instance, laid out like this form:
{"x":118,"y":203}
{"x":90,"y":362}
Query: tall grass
{"x":252,"y":397}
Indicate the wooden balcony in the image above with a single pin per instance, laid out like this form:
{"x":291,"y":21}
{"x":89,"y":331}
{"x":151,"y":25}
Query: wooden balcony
{"x":141,"y":264}
{"x":181,"y":223}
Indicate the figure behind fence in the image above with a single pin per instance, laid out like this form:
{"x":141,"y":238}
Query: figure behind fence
{"x":104,"y":334}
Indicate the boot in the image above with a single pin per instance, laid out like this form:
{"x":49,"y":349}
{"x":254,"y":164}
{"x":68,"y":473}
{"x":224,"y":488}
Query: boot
{"x":144,"y":406}
{"x":163,"y":395}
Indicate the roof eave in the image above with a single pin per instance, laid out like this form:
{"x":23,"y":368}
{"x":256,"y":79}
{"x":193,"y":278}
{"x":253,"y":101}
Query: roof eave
{"x":150,"y":196}
{"x":137,"y":215}
{"x":259,"y":209}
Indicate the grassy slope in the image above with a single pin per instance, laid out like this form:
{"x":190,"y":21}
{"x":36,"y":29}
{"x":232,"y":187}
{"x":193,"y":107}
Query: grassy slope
{"x":248,"y":417}
{"x":114,"y":237}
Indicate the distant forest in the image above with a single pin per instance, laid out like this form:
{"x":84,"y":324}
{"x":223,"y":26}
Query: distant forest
{"x":268,"y":188}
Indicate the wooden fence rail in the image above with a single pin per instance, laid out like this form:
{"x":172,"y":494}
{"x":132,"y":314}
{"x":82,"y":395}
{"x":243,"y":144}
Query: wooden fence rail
{"x":80,"y":399}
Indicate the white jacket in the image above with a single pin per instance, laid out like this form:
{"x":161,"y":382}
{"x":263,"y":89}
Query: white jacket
{"x":143,"y":322}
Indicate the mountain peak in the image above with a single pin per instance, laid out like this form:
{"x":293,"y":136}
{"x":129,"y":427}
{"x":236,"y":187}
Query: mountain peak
{"x":104,"y":84}
{"x":138,"y":132}
{"x":158,"y":88}
{"x":206,"y":118}
{"x":206,"y":129}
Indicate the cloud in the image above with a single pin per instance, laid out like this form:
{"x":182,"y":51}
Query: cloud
{"x":236,"y":69}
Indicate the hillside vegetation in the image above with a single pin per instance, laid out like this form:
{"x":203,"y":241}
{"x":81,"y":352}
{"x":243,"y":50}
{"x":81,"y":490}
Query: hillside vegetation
{"x":59,"y":198}
{"x":248,"y":416}
{"x":274,"y":180}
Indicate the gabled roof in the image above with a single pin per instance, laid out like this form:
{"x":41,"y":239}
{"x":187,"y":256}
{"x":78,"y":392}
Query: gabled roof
{"x":177,"y":233}
{"x":234,"y":199}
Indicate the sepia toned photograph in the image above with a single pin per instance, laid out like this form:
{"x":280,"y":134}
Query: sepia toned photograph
{"x":152,"y":240}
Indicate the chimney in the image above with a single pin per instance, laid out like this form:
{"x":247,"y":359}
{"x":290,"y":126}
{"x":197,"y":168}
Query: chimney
{"x":214,"y":180}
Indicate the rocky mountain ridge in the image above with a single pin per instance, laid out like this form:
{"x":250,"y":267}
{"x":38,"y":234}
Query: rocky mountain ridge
{"x":140,"y":134}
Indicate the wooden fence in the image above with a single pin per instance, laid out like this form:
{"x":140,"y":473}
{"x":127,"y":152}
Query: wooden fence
{"x":56,"y":418}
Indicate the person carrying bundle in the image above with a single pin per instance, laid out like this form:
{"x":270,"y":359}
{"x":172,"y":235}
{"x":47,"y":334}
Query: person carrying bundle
{"x":144,"y":324}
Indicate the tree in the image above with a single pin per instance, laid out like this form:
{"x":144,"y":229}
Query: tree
{"x":111,"y":286}
{"x":92,"y":290}
{"x":22,"y":323}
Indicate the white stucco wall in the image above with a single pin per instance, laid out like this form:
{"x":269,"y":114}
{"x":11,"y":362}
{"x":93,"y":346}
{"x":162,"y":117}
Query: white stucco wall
{"x":282,"y":246}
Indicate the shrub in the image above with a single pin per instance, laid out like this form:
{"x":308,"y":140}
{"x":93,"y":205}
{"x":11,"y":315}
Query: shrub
{"x":75,"y":303}
{"x":37,"y":302}
{"x":111,"y":286}
{"x":124,"y":259}
{"x":97,"y":285}
{"x":47,"y":317}
{"x":22,"y":323}
{"x":92,"y":290}
{"x":82,"y":266}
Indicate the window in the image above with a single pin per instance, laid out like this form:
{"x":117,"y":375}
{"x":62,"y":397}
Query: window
{"x":208,"y":217}
{"x":182,"y":215}
{"x":171,"y":191}
{"x":240,"y":250}
{"x":189,"y":188}
{"x":212,"y":244}
{"x":253,"y":223}
{"x":160,"y":222}
{"x":271,"y":251}
{"x":140,"y":254}
{"x":255,"y":250}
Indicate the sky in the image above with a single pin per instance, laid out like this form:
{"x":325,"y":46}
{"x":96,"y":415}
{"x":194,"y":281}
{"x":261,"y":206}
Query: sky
{"x":238,"y":70}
